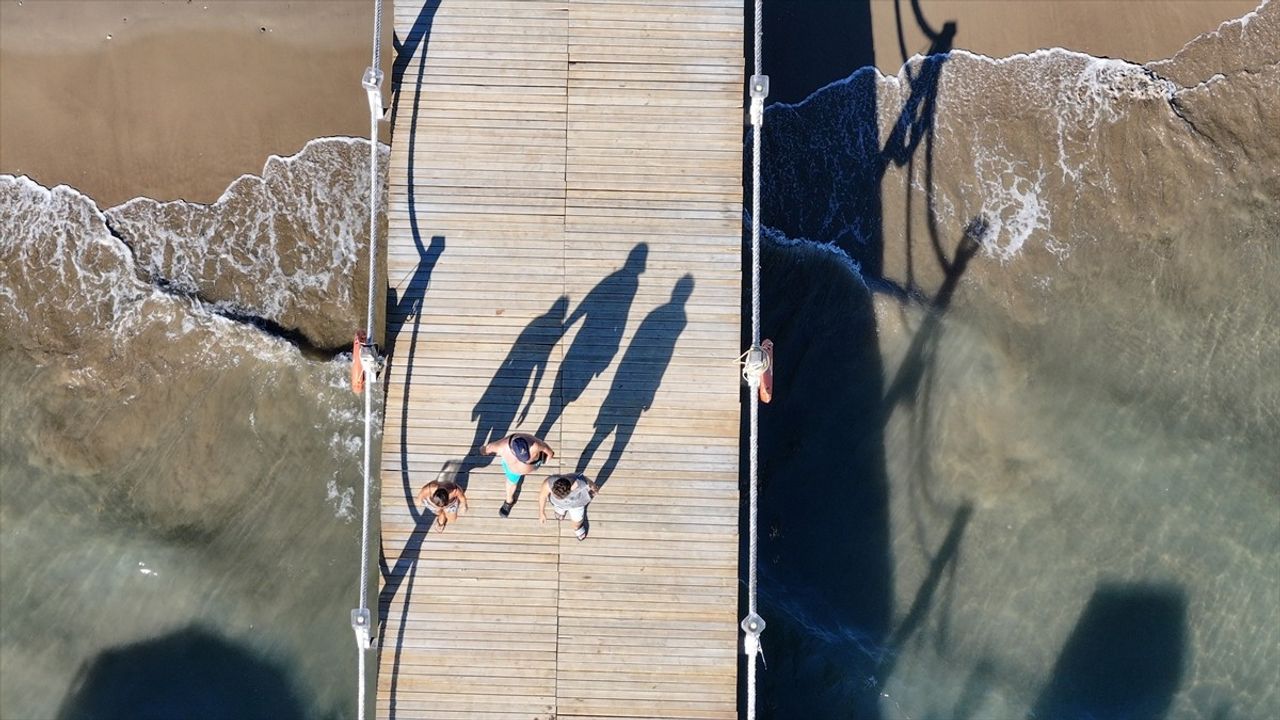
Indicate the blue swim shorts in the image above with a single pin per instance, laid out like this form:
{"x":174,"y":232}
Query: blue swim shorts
{"x":513,"y":477}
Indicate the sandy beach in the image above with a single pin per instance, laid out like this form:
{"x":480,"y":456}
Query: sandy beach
{"x":175,"y":99}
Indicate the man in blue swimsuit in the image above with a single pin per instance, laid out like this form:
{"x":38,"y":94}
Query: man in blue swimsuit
{"x":520,"y":454}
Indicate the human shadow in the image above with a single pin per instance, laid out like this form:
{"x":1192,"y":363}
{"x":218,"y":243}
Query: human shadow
{"x":637,"y":378}
{"x":517,"y":378}
{"x":603,"y":313}
{"x":1124,"y":659}
{"x":190,"y":673}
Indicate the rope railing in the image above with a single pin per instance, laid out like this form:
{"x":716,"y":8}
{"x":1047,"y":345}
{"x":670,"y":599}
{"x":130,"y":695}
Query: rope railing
{"x":754,"y":365}
{"x":361,"y":617}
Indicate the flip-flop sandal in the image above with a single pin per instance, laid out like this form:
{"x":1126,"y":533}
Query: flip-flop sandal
{"x":581,"y":533}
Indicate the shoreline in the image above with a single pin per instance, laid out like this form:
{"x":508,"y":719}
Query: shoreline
{"x":176,"y":100}
{"x":175,"y":105}
{"x":1136,"y":32}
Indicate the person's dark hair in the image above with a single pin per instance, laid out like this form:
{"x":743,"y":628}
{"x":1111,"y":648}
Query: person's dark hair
{"x":441,"y":496}
{"x":561,"y":486}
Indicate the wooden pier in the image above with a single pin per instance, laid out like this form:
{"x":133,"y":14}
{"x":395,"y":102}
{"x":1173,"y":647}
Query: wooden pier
{"x":565,"y":210}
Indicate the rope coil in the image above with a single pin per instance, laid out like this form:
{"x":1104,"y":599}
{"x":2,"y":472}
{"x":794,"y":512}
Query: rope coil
{"x":755,"y":363}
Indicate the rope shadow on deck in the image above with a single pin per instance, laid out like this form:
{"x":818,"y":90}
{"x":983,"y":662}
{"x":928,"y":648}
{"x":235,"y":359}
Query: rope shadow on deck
{"x":400,"y":306}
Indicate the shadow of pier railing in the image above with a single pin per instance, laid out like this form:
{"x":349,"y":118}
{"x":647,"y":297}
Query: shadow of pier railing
{"x":399,"y":580}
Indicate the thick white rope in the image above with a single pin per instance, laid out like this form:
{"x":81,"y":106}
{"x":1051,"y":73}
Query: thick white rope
{"x":753,"y":625}
{"x":361,"y":618}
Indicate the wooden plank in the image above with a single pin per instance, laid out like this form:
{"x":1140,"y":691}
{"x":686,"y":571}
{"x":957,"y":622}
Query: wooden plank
{"x":559,"y":135}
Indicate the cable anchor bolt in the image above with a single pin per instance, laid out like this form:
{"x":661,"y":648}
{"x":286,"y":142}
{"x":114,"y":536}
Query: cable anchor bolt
{"x":759,"y":91}
{"x":360,"y":621}
{"x":371,"y":361}
{"x":752,"y":626}
{"x":372,"y":82}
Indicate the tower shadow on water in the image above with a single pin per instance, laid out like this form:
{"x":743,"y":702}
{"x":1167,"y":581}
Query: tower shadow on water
{"x":1123,"y":659}
{"x":189,"y":673}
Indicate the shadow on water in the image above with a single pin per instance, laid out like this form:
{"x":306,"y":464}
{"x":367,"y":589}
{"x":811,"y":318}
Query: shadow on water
{"x":603,"y":313}
{"x":192,"y":673}
{"x":636,"y":381}
{"x":825,"y":557}
{"x":408,"y":303}
{"x":1124,"y":659}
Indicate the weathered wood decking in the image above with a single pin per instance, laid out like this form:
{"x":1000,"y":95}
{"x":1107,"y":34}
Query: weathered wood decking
{"x":590,"y":151}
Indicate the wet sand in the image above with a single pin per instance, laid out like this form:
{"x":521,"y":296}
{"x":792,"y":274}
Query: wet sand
{"x":1139,"y":31}
{"x":176,"y":99}
{"x":811,"y":43}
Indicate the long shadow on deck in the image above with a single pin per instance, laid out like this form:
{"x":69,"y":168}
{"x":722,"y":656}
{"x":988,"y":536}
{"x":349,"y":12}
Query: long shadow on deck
{"x":400,"y":308}
{"x":603,"y":313}
{"x":518,"y":378}
{"x":636,"y":381}
{"x":825,"y":558}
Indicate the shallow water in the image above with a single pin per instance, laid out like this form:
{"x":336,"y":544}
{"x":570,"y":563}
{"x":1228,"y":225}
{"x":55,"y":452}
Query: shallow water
{"x":180,"y":537}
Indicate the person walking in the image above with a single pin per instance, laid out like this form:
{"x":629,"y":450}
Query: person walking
{"x":442,"y":498}
{"x":569,"y":496}
{"x":520,"y":454}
